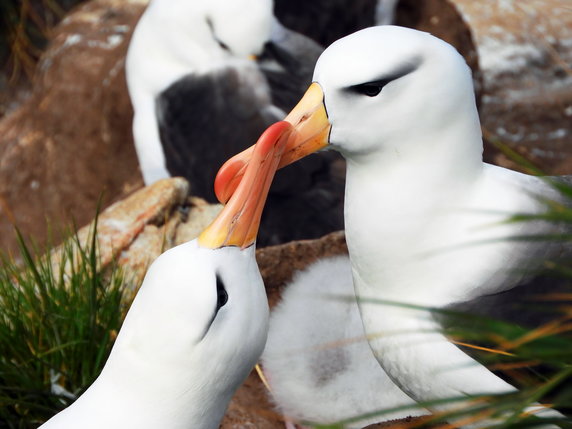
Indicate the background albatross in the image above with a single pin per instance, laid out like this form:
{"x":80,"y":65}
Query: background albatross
{"x":200,"y":95}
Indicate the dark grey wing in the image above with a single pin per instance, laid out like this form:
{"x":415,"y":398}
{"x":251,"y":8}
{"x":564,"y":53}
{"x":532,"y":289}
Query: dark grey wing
{"x":524,"y":308}
{"x":535,"y":300}
{"x":204,"y":120}
{"x":288,"y":62}
{"x":525,"y":305}
{"x":563,"y":180}
{"x":529,"y":305}
{"x":326,"y":21}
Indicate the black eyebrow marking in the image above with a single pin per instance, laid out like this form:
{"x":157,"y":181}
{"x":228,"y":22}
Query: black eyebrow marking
{"x":374,"y":87}
{"x":213,"y":32}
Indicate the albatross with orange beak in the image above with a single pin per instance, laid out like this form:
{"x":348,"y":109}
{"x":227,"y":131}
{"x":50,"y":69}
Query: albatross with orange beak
{"x":197,"y":325}
{"x":425,"y":217}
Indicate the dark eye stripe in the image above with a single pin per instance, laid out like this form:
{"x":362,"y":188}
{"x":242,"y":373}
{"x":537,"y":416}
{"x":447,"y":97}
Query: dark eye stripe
{"x":373,"y":88}
{"x":221,"y":294}
{"x":220,"y":42}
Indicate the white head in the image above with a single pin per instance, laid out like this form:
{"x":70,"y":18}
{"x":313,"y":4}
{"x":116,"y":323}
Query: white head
{"x":386,"y":87}
{"x":200,"y":319}
{"x":197,"y":325}
{"x":237,"y":28}
{"x":389,"y":97}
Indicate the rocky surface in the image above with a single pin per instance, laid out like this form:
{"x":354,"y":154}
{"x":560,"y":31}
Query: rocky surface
{"x":525,"y":57}
{"x":70,"y":141}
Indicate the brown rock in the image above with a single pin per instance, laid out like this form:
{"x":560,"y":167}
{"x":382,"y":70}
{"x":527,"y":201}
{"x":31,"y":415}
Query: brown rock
{"x":142,"y":220}
{"x":198,"y":218}
{"x":251,"y":408}
{"x":137,"y":229}
{"x":184,"y":220}
{"x":525,"y":56}
{"x":70,"y":141}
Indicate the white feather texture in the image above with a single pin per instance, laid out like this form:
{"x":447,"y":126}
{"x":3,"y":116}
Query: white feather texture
{"x":424,"y":215}
{"x":177,"y":361}
{"x":319,"y":364}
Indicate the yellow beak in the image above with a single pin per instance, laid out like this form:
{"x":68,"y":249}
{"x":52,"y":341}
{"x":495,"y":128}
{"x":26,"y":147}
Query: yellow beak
{"x":237,"y":224}
{"x":310,"y":133}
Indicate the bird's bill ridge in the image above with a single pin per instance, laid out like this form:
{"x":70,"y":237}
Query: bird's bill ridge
{"x":237,"y":224}
{"x":310,"y":134}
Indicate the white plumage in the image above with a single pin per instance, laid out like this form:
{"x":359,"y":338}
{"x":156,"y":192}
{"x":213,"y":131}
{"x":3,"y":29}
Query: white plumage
{"x":169,"y":367}
{"x":425,"y":217}
{"x":319,"y":364}
{"x":196,"y":327}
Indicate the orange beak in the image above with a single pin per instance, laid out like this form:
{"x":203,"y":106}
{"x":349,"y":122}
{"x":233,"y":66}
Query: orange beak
{"x":237,"y":224}
{"x":310,"y":133}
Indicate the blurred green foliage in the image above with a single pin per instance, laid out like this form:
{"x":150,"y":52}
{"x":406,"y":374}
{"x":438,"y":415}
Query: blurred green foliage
{"x":58,"y":320}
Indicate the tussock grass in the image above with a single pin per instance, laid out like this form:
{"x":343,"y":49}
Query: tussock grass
{"x":56,"y":329}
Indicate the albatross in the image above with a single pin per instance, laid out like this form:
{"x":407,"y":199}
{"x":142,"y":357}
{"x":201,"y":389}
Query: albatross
{"x":196,"y":327}
{"x":425,"y":216}
{"x":205,"y":78}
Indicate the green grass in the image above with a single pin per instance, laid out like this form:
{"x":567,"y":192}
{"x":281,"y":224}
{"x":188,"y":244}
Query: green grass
{"x":56,"y":329}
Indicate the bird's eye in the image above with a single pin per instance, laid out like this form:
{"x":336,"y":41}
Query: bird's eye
{"x":221,"y":300}
{"x":221,"y":294}
{"x":371,"y":89}
{"x":223,"y":45}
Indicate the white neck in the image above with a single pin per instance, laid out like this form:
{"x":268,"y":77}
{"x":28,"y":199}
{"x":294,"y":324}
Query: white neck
{"x":135,"y":393}
{"x":396,"y":199}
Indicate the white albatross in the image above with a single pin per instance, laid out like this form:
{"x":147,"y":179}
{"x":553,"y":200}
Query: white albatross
{"x":206,"y":78}
{"x":196,"y":327}
{"x":185,"y":60}
{"x":425,"y":217}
